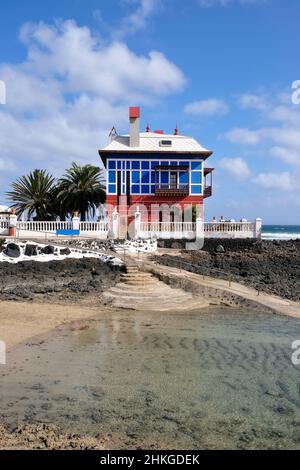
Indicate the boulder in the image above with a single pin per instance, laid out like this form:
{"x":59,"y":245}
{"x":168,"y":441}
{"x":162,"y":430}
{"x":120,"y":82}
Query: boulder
{"x":65,"y":251}
{"x":12,"y":250}
{"x":30,"y":250}
{"x":48,"y":250}
{"x":220,"y":249}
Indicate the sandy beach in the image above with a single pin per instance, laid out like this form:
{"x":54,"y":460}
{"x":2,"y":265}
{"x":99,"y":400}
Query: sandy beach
{"x":21,"y":321}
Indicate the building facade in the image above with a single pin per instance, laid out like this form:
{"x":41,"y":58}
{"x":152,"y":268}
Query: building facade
{"x":155,"y":172}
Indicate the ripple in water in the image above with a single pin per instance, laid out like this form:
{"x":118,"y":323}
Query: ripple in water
{"x":212,"y":379}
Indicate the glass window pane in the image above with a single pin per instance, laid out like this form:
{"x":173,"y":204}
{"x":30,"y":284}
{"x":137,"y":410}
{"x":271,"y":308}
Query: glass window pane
{"x":152,"y":176}
{"x":196,"y":177}
{"x":182,"y":162}
{"x":136,"y":165}
{"x":183,"y":177}
{"x":196,"y":189}
{"x":196,"y":165}
{"x":111,"y":176}
{"x":135,"y":189}
{"x":135,"y":177}
{"x":154,"y":164}
{"x":152,"y":188}
{"x":111,"y":164}
{"x":119,"y":164}
{"x":145,"y":165}
{"x":145,"y":176}
{"x":111,"y":188}
{"x":165,"y":177}
{"x":145,"y":188}
{"x":128,"y":165}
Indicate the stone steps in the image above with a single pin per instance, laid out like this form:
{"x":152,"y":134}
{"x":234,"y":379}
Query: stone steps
{"x":140,"y":290}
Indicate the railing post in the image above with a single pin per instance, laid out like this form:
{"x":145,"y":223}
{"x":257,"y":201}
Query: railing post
{"x":13,"y":220}
{"x":199,"y":228}
{"x":115,"y":223}
{"x":75,"y":222}
{"x":137,"y":223}
{"x":258,"y":227}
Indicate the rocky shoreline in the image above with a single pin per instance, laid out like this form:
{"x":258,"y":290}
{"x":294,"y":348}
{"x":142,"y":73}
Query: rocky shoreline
{"x":269,"y":266}
{"x":64,"y":280}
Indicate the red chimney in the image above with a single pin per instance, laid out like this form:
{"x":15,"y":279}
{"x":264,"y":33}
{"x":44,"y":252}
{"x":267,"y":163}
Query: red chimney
{"x":134,"y":112}
{"x":158,"y":132}
{"x":134,"y":120}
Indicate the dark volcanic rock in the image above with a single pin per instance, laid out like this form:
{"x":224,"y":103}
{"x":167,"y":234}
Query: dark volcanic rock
{"x":48,"y":250}
{"x":12,"y":250}
{"x":220,"y":249}
{"x":69,"y":279}
{"x":65,"y":251}
{"x":30,"y":250}
{"x":266,"y":265}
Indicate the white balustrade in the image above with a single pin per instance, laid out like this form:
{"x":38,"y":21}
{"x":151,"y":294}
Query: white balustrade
{"x":44,"y":226}
{"x":93,"y":227}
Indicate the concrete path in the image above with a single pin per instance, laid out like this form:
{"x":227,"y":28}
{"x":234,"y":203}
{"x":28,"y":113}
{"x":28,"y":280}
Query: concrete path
{"x":140,"y":290}
{"x":206,"y":286}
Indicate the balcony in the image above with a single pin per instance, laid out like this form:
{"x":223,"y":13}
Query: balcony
{"x":171,"y":190}
{"x":207,"y":191}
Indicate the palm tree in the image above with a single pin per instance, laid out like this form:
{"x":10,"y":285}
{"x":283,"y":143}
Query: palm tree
{"x":81,"y":189}
{"x":32,"y":192}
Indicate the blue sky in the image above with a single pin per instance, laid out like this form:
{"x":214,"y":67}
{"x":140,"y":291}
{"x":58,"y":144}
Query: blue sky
{"x":220,"y":69}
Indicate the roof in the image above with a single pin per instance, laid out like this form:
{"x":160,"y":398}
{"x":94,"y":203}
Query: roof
{"x":149,"y":142}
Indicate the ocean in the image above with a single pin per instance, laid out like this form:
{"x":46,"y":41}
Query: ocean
{"x":280,"y":232}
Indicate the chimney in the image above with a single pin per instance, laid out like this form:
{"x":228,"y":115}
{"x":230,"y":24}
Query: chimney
{"x":134,"y":119}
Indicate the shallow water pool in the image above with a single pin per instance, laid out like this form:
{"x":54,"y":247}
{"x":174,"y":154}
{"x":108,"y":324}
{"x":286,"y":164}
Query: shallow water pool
{"x":217,"y":378}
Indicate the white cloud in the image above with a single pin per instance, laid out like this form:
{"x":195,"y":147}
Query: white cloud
{"x":253,"y":101}
{"x":243,"y":136}
{"x":209,"y":107}
{"x":279,"y":181}
{"x":289,"y":156}
{"x":72,"y":87}
{"x":237,"y":167}
{"x":226,"y":3}
{"x":138,"y":18}
{"x":69,"y":53}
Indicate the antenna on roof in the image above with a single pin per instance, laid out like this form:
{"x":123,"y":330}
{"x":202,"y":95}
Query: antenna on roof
{"x":113,"y":133}
{"x":176,"y":130}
